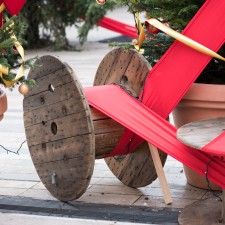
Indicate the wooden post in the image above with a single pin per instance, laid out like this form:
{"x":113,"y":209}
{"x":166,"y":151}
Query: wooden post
{"x":161,"y":175}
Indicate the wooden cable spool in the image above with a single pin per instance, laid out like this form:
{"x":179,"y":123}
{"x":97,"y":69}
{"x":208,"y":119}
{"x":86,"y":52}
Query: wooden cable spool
{"x":129,"y":69}
{"x":59,"y":130}
{"x":65,"y":135}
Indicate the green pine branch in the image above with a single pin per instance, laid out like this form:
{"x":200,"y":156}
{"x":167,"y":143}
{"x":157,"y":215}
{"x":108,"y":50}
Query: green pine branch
{"x":12,"y":30}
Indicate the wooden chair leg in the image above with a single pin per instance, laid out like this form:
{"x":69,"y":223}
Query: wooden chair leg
{"x":160,"y":173}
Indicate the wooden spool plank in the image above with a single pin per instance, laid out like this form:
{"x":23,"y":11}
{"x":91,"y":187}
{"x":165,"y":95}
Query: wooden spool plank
{"x":120,"y":63}
{"x":136,"y":73}
{"x":59,"y":130}
{"x":135,"y":169}
{"x":69,"y":174}
{"x":129,"y":69}
{"x":48,"y":98}
{"x":96,"y":114}
{"x":61,"y":77}
{"x":115,"y":62}
{"x":62,"y":148}
{"x":40,"y":71}
{"x":39,"y":115}
{"x":199,"y":133}
{"x":106,"y":126}
{"x":107,"y":133}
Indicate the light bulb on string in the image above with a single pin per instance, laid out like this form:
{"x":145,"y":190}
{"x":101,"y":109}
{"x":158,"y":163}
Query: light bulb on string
{"x":101,"y":2}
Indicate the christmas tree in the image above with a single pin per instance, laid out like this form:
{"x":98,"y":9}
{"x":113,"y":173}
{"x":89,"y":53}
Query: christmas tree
{"x":53,"y":16}
{"x":12,"y":57}
{"x":176,"y":14}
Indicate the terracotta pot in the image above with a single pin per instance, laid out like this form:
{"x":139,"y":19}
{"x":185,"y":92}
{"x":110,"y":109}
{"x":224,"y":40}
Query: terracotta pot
{"x":3,"y":103}
{"x":202,"y":101}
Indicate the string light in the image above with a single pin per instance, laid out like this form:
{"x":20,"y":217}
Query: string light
{"x":17,"y":152}
{"x":101,"y":2}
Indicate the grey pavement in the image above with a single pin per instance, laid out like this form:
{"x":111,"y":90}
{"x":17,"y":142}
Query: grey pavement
{"x":24,"y":199}
{"x":13,"y":219}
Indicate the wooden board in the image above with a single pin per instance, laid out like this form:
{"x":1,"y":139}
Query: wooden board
{"x":59,"y":130}
{"x":197,"y":134}
{"x":129,"y":69}
{"x":107,"y":133}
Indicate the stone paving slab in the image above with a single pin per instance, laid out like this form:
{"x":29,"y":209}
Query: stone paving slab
{"x":87,"y":211}
{"x":12,"y":219}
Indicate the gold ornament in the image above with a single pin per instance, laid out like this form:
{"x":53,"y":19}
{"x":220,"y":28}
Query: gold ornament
{"x":24,"y":89}
{"x":101,"y":2}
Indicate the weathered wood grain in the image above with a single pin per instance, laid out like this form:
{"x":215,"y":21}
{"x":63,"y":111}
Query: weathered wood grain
{"x":197,"y":134}
{"x":42,"y":99}
{"x":59,"y":130}
{"x":63,"y":149}
{"x":67,"y":107}
{"x":61,"y":77}
{"x":107,"y":133}
{"x":129,"y":69}
{"x":71,"y":177}
{"x":64,"y":135}
{"x":41,"y":70}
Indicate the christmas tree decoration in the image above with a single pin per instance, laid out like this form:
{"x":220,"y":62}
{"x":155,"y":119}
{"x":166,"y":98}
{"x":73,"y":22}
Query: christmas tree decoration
{"x":184,"y":39}
{"x":141,"y":35}
{"x":14,"y":6}
{"x":151,"y":29}
{"x":176,"y":13}
{"x":24,"y":89}
{"x":101,"y":2}
{"x":12,"y":63}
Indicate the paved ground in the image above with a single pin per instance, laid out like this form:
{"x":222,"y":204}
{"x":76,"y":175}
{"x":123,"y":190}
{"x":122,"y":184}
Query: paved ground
{"x":13,"y":219}
{"x":24,"y":199}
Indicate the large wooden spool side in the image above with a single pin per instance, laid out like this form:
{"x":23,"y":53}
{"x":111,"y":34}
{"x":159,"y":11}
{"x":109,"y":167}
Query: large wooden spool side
{"x":59,"y":129}
{"x":129,"y":69}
